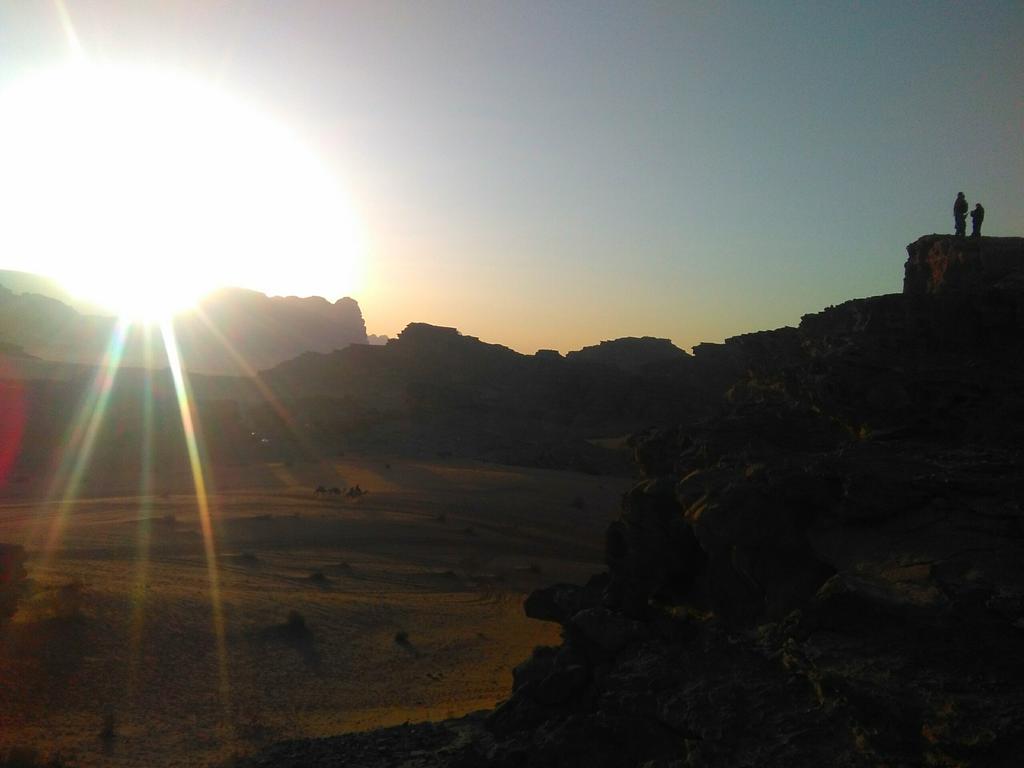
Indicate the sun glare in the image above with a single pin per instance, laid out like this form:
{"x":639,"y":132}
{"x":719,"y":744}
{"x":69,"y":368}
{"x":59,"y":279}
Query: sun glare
{"x":142,"y":189}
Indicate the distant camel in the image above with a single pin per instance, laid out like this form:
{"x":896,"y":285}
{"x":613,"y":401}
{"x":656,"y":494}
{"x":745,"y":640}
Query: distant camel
{"x":336,"y":491}
{"x":320,"y":490}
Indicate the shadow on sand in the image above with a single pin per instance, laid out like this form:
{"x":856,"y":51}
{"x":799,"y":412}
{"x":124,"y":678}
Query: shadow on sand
{"x":295,"y":634}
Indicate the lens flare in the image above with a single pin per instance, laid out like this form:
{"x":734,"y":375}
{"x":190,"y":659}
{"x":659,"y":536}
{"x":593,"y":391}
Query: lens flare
{"x":80,"y":444}
{"x":268,"y":396}
{"x":142,"y":556}
{"x":12,"y":422}
{"x":182,"y":393}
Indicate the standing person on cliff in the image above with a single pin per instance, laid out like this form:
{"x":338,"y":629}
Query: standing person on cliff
{"x":960,"y":214}
{"x":977,"y":216}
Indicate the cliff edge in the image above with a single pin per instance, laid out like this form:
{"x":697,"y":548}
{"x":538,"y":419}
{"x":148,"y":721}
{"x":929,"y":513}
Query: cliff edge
{"x":946,"y":263}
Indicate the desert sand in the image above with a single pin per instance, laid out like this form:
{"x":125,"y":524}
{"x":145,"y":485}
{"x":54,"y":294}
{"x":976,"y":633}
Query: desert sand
{"x":407,"y":602}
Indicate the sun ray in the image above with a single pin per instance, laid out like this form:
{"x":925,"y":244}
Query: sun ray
{"x":69,"y":28}
{"x":77,"y":454}
{"x":142,"y":556}
{"x":202,"y":502}
{"x":287,"y":418}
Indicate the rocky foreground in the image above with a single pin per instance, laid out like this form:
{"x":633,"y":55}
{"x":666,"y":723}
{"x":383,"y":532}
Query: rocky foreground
{"x":829,"y":571}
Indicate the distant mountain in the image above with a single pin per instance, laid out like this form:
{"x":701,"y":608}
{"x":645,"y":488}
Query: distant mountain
{"x":630,"y":353}
{"x":435,"y":389}
{"x":13,"y":350}
{"x":27,"y":282}
{"x":232,"y":331}
{"x":266,"y":330}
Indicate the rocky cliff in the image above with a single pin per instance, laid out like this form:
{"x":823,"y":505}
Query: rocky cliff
{"x":265,"y":330}
{"x":943,"y":264}
{"x":436,"y":389}
{"x":828,"y":570}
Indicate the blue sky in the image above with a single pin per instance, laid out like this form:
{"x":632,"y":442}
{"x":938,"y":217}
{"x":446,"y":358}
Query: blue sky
{"x":553,"y":174}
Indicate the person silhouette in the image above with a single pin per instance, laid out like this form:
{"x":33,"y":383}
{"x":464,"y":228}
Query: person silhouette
{"x":977,"y":216}
{"x":960,"y":214}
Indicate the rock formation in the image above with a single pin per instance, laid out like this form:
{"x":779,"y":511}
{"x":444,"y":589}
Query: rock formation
{"x":267,"y":330}
{"x":433,"y":386}
{"x":828,"y":570}
{"x":631,"y":354}
{"x":941,"y":264}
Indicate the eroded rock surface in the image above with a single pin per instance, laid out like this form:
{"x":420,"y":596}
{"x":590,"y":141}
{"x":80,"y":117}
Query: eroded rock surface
{"x":940,"y":263}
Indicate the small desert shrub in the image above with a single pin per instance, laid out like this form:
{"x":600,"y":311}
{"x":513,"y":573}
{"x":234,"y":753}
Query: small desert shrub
{"x":109,"y":730}
{"x":318,"y":578}
{"x":293,"y":631}
{"x":68,"y":600}
{"x":402,"y":637}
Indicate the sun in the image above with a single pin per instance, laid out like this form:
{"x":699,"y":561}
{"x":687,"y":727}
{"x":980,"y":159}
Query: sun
{"x":142,"y":189}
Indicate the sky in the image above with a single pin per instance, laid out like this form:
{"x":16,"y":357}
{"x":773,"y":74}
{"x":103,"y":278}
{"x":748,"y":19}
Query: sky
{"x":552,"y":174}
